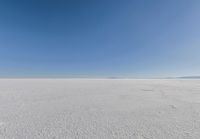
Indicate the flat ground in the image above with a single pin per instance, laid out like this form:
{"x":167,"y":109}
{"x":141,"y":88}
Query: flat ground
{"x":99,"y":109}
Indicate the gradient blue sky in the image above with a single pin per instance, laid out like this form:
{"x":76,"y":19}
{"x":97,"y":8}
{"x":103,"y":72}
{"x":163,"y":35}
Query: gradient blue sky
{"x":131,"y":38}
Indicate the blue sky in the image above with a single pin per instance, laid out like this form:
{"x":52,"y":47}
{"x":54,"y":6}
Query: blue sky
{"x":98,"y":38}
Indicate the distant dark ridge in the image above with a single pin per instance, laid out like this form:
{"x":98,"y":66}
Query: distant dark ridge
{"x":189,"y":77}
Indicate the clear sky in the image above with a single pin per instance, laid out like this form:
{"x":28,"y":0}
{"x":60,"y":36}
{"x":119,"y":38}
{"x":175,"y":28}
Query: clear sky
{"x":128,"y":38}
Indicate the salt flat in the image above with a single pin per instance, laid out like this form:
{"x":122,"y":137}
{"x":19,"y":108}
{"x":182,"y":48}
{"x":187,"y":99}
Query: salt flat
{"x":99,"y":109}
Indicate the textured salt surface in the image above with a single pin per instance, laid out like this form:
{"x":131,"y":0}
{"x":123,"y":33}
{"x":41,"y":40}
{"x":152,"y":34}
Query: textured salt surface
{"x":99,"y":109}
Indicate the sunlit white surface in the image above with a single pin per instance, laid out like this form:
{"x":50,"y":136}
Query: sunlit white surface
{"x":99,"y":109}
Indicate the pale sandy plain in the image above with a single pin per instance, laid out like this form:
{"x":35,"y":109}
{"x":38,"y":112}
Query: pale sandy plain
{"x":99,"y":109}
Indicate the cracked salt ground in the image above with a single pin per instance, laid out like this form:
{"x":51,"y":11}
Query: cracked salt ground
{"x":99,"y":109}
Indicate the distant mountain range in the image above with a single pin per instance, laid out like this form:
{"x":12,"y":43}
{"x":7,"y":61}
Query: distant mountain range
{"x":189,"y":77}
